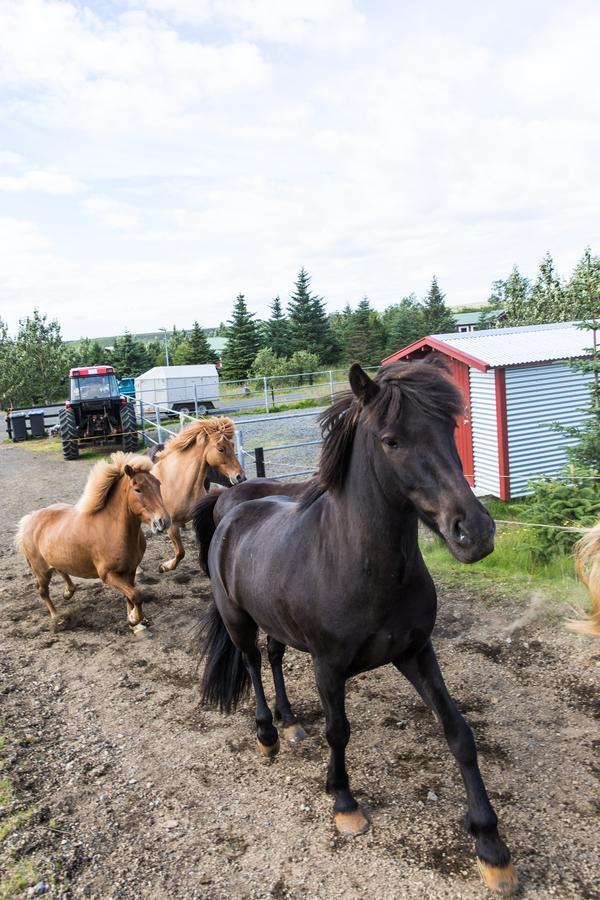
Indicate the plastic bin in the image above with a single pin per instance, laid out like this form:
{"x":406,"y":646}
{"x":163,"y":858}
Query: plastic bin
{"x":18,"y":424}
{"x":36,"y":424}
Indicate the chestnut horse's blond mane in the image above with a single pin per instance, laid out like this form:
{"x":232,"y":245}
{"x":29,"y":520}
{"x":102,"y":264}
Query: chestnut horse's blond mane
{"x":103,"y":476}
{"x":186,"y":437}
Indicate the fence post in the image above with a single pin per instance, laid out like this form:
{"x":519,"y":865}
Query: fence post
{"x":331,"y":383}
{"x":259,"y":456}
{"x":239,"y":447}
{"x":158,"y":425}
{"x":143,"y":421}
{"x":266,"y":386}
{"x":195,"y":399}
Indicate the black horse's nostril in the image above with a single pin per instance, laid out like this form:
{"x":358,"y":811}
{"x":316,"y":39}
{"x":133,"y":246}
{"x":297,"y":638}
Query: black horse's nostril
{"x":458,"y":531}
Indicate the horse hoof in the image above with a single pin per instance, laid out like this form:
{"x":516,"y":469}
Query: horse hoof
{"x":351,"y":824}
{"x":294,"y":733}
{"x":67,"y":594}
{"x":500,"y":879}
{"x":266,"y":751}
{"x":162,"y":569}
{"x":141,"y":631}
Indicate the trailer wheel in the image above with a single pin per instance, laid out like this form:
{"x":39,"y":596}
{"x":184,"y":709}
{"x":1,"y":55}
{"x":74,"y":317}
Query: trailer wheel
{"x":128,"y":427}
{"x":67,"y":425}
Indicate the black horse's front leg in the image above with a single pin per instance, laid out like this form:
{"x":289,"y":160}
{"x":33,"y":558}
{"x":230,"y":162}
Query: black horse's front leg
{"x":349,"y":818}
{"x":292,"y":729}
{"x":493,"y":856}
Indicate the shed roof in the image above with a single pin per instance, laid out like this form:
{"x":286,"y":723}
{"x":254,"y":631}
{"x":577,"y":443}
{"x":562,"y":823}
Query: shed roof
{"x":507,"y":346}
{"x":196,"y":371}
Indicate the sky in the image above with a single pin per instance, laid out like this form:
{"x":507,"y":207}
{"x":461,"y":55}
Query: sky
{"x":158,"y":157}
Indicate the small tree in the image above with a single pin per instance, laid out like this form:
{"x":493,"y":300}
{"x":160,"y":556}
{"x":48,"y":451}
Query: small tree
{"x":437,"y":318}
{"x":276,"y":332}
{"x":243,"y":344}
{"x":129,"y":356}
{"x":365,"y":337}
{"x":310,"y":328}
{"x":403,"y":323}
{"x":200,"y":350}
{"x":37,"y":361}
{"x":88,"y":352}
{"x":512,"y":295}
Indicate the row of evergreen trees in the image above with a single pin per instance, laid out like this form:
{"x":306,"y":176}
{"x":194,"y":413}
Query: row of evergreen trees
{"x":362,"y":334}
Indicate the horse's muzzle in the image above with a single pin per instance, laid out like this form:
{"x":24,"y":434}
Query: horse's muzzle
{"x":237,"y":479}
{"x":159,"y":524}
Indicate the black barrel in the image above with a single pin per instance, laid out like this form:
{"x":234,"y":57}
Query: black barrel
{"x":36,"y":424}
{"x":18,"y":424}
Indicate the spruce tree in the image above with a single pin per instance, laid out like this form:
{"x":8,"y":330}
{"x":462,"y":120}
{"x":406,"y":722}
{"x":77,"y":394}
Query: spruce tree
{"x":243,"y":344}
{"x":403,"y":323}
{"x":310,"y":328}
{"x":276,"y":330}
{"x":583,"y":289}
{"x":437,"y":318}
{"x":548,"y":302}
{"x":511,"y":295}
{"x":200,"y":350}
{"x":365,"y":337}
{"x":129,"y":356}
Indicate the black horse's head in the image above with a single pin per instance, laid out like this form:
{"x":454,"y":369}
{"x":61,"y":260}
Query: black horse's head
{"x":409,"y":413}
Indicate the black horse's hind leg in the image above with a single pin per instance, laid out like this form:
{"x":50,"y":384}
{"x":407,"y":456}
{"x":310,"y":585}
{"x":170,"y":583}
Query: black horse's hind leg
{"x":266,"y":733}
{"x":292,"y":729}
{"x":493,"y":857}
{"x":349,"y":818}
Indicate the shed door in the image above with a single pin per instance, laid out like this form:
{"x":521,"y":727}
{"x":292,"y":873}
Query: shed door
{"x":464,"y":431}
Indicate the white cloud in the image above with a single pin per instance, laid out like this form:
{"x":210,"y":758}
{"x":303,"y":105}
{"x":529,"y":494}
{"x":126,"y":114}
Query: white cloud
{"x":44,"y":182}
{"x":313,"y":24}
{"x":112,"y":213}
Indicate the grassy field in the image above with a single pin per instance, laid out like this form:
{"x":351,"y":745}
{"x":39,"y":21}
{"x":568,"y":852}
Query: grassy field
{"x":511,"y":571}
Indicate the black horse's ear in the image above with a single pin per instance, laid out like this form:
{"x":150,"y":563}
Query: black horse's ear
{"x":129,"y":471}
{"x":434,"y":359}
{"x":362,"y":386}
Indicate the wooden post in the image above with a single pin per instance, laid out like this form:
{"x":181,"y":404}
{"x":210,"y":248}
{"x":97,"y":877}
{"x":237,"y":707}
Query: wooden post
{"x":259,"y":456}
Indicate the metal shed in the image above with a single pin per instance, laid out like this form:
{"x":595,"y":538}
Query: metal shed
{"x":516,"y":383}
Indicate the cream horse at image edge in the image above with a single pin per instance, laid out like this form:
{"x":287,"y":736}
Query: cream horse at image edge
{"x":587,"y":561}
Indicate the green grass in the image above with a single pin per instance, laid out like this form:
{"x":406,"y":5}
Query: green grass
{"x":20,"y":875}
{"x":53,"y":445}
{"x":509,"y":573}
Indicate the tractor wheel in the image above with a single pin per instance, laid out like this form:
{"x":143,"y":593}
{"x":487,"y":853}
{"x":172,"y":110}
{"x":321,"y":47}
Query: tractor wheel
{"x":128,"y":427}
{"x":67,"y":425}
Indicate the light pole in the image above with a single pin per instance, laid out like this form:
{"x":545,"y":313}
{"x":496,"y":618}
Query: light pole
{"x":164,"y":331}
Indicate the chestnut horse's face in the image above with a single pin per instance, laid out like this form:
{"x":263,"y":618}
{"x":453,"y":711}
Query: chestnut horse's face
{"x":145,"y":499}
{"x":220,"y":453}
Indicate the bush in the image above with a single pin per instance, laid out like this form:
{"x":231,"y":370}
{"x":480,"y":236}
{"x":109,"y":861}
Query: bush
{"x":573,"y":502}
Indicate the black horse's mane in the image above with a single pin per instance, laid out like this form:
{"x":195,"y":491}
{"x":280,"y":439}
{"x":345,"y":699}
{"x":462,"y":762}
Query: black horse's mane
{"x":422,"y":386}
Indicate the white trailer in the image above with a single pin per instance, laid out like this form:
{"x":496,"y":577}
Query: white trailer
{"x":185,"y":388}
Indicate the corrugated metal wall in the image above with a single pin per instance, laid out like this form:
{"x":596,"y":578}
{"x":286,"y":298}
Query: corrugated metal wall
{"x":485,"y":431}
{"x":536,"y":396}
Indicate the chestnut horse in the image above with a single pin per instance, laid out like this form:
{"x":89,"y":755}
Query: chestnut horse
{"x":181,"y":467}
{"x":587,"y":560}
{"x":339,"y":574}
{"x":99,"y":537}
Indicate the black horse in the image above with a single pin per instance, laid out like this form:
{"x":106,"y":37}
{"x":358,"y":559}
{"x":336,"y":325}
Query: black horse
{"x":338,"y":573}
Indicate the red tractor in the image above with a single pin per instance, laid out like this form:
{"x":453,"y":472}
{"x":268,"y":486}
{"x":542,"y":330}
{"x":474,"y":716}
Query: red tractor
{"x":96,"y":413}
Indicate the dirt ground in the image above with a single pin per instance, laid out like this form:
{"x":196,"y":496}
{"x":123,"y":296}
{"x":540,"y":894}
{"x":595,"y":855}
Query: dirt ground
{"x":130,"y":790}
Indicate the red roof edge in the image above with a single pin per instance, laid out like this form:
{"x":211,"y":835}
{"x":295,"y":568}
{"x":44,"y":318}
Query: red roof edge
{"x":434,"y":344}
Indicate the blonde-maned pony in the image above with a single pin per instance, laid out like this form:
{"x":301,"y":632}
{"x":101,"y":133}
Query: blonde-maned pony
{"x":181,"y":468}
{"x":587,"y":561}
{"x":99,"y":537}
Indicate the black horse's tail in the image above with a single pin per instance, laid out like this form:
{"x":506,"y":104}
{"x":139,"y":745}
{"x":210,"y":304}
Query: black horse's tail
{"x":204,"y":525}
{"x":225,"y":681}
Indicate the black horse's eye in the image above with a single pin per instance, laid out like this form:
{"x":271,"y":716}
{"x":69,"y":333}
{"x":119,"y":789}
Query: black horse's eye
{"x":390,"y":442}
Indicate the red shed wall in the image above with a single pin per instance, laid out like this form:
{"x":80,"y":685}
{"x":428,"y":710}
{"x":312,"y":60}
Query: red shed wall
{"x":459,"y":372}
